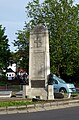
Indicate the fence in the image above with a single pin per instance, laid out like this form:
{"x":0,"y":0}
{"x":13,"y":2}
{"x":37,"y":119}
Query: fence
{"x":11,"y":87}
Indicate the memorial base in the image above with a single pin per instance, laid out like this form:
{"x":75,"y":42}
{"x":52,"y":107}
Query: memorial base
{"x":39,"y":93}
{"x":50,"y":92}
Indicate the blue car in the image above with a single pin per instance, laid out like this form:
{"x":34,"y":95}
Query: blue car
{"x":61,"y":86}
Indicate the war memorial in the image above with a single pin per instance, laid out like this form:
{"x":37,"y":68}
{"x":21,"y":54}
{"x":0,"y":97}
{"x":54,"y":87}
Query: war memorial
{"x":39,"y":65}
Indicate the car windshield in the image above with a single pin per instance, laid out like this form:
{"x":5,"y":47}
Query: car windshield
{"x":59,"y":79}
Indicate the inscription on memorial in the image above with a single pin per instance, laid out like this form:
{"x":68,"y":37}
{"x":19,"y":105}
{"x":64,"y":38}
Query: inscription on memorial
{"x":37,"y":83}
{"x":38,"y":65}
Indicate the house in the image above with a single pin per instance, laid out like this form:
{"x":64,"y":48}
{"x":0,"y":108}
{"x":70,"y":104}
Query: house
{"x":11,"y":71}
{"x":21,"y":71}
{"x":12,"y":66}
{"x":10,"y":74}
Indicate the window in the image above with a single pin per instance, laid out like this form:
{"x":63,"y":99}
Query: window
{"x":9,"y":75}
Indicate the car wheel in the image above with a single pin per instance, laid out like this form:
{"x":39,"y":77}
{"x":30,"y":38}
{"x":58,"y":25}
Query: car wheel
{"x":63,"y":90}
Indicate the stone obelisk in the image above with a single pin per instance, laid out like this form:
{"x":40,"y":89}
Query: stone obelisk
{"x":39,"y":63}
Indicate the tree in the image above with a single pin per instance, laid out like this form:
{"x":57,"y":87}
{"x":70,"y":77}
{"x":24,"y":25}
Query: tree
{"x":61,"y":18}
{"x":22,"y":54}
{"x":4,"y":49}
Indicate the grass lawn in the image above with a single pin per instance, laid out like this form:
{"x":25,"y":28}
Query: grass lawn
{"x":14,"y":103}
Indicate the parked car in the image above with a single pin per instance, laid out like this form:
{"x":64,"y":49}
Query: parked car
{"x":61,"y":86}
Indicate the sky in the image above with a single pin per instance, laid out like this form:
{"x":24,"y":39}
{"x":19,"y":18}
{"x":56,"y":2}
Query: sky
{"x":13,"y":17}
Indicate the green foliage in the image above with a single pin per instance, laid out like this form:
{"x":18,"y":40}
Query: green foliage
{"x":22,"y":54}
{"x":14,"y":103}
{"x":3,"y":77}
{"x":61,"y":18}
{"x":3,"y":80}
{"x":4,"y":48}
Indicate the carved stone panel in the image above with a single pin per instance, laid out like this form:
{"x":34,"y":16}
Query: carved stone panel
{"x":38,"y":42}
{"x":38,"y":66}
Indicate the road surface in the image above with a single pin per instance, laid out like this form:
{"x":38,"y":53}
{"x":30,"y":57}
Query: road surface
{"x":58,"y":114}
